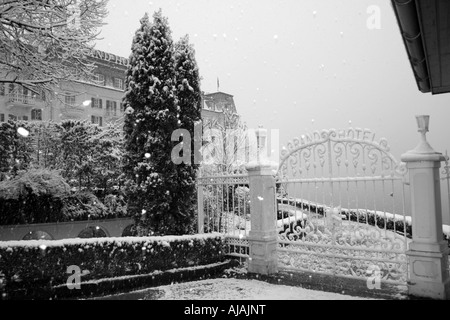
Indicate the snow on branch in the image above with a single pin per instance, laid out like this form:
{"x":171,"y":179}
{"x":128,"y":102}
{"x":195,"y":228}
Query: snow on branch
{"x":44,"y":42}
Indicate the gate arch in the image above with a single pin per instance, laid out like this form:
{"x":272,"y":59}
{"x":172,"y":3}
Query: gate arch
{"x":341,"y":199}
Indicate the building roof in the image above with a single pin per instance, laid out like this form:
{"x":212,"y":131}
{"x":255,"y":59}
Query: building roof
{"x":108,"y":59}
{"x":426,"y":34}
{"x":217,"y":93}
{"x":218,"y":101}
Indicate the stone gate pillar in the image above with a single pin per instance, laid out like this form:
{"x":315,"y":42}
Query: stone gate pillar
{"x":263,"y":236}
{"x":428,"y":252}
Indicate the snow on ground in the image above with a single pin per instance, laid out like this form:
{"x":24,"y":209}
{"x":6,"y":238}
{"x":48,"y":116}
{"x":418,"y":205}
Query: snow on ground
{"x":232,"y":289}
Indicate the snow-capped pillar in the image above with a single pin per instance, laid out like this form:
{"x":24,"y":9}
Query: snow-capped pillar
{"x":263,"y":236}
{"x":428,"y":252}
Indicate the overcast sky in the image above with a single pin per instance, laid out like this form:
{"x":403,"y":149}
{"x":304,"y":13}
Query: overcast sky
{"x":298,"y":66}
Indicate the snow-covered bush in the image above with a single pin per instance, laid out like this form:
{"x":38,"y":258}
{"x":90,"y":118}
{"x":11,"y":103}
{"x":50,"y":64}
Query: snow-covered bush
{"x":107,"y":152}
{"x":226,"y":208}
{"x":45,"y":139}
{"x":43,"y":196}
{"x":103,"y":258}
{"x":87,"y":156}
{"x":34,"y":196}
{"x":15,"y":149}
{"x":242,"y":202}
{"x":115,"y":205}
{"x":83,"y":206}
{"x":374,"y":219}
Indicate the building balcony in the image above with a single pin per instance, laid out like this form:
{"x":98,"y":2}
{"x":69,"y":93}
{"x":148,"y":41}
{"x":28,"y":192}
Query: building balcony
{"x":111,"y":116}
{"x":74,"y":113}
{"x":21,"y":100}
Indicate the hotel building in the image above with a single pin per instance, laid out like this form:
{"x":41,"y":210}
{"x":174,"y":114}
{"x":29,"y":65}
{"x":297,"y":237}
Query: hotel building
{"x":98,"y":101}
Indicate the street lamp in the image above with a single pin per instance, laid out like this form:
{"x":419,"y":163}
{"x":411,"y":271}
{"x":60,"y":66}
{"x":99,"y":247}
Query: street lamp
{"x":261,"y":138}
{"x":423,"y":122}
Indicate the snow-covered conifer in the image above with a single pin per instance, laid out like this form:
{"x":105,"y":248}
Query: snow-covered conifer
{"x":159,"y":191}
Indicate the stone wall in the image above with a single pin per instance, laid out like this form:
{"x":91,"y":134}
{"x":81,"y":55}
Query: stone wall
{"x":65,"y":230}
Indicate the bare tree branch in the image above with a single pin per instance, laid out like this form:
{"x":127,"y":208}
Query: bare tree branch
{"x":43,"y":42}
{"x":230,"y":142}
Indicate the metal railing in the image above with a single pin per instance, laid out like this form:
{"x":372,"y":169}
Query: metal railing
{"x":22,"y":98}
{"x":112,"y":114}
{"x":224,"y":207}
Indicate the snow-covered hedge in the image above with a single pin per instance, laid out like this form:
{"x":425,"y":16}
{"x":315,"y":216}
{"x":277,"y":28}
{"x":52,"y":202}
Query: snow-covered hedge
{"x":43,"y":196}
{"x":45,"y":263}
{"x":34,"y":196}
{"x":397,"y":223}
{"x":370,"y":217}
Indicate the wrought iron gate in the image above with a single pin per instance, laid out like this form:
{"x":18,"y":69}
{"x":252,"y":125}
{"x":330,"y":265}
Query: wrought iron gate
{"x":223,"y":206}
{"x":342,"y":206}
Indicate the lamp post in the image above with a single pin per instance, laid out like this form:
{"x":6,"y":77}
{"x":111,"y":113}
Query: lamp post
{"x":261,"y":138}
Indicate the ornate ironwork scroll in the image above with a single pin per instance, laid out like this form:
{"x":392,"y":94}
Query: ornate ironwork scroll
{"x":327,"y":178}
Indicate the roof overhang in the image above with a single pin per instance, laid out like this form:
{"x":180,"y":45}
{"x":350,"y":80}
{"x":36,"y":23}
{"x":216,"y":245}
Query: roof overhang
{"x":425,"y":29}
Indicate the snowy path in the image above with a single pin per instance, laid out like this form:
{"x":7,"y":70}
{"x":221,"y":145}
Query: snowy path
{"x":231,"y":289}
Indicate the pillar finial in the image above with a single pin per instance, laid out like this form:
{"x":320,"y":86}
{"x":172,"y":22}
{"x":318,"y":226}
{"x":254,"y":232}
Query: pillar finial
{"x":423,"y":151}
{"x":423,"y":123}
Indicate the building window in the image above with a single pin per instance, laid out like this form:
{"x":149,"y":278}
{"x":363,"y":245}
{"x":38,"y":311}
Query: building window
{"x":118,"y":83}
{"x":97,"y":103}
{"x":122,"y":107}
{"x":36,"y":114}
{"x":109,"y":82}
{"x":99,"y":79}
{"x":97,"y":120}
{"x":69,"y":100}
{"x":12,"y":117}
{"x":11,"y":88}
{"x":25,"y":95}
{"x":24,"y":118}
{"x":2,"y":117}
{"x":2,"y":89}
{"x":111,"y":108}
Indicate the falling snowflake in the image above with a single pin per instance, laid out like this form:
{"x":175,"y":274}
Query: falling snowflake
{"x":23,"y":132}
